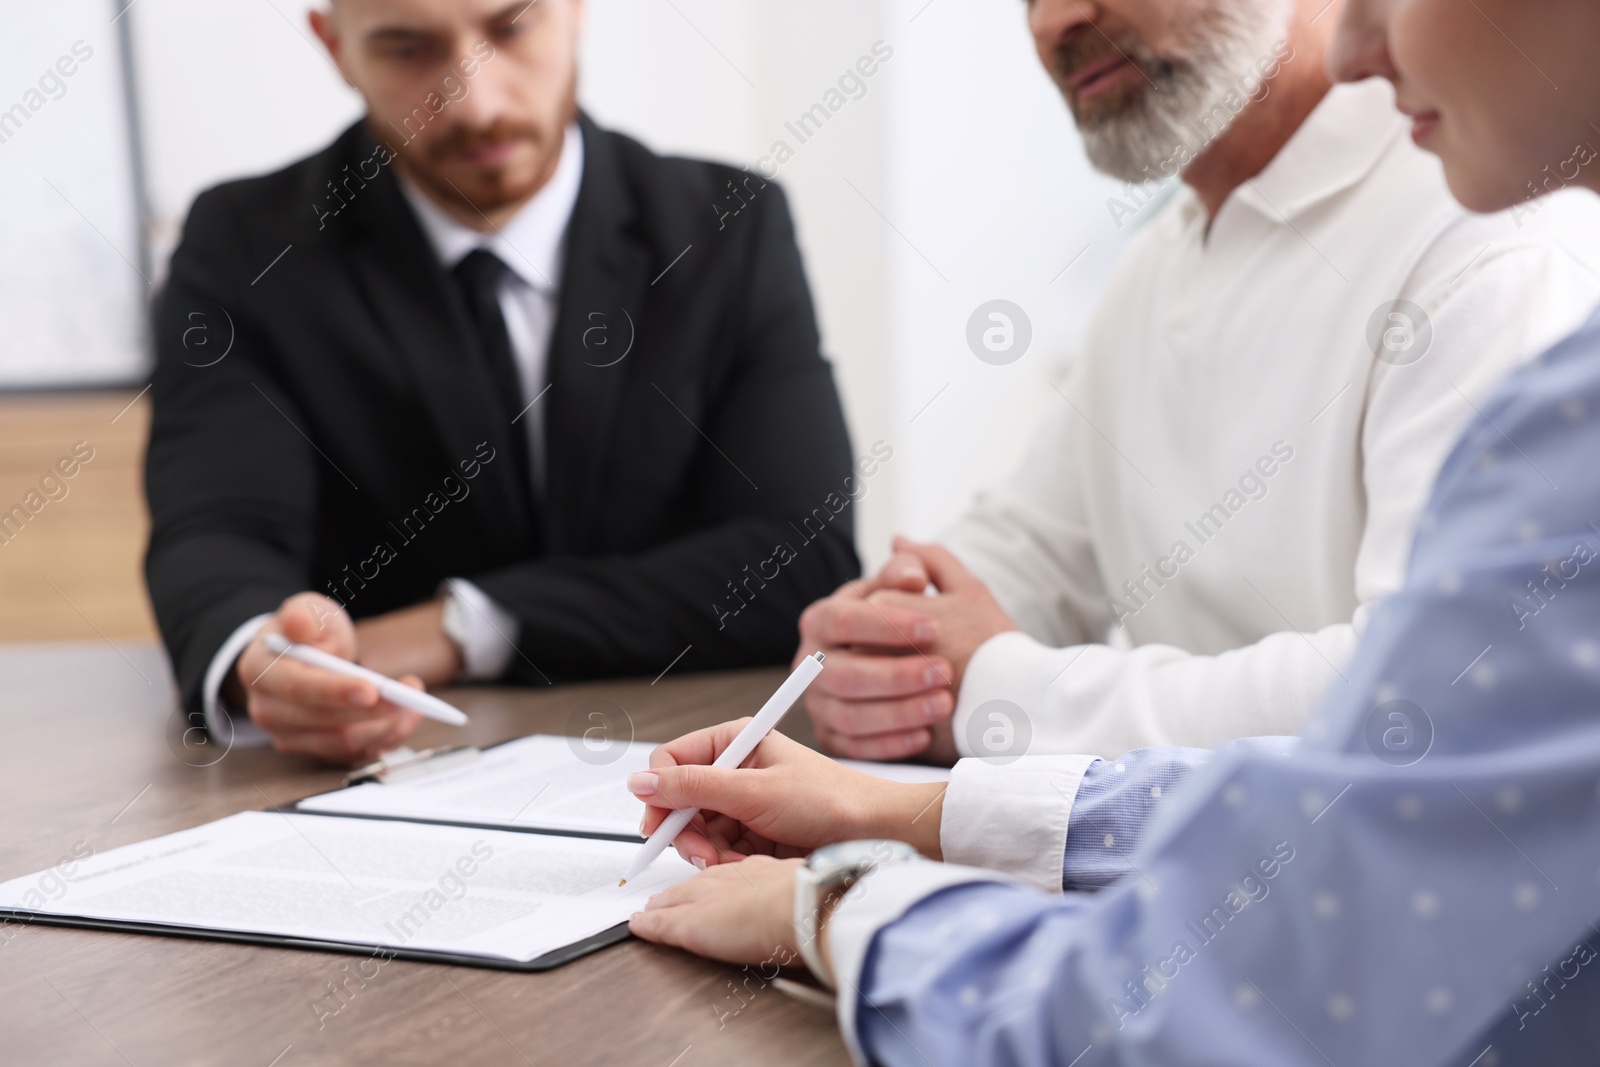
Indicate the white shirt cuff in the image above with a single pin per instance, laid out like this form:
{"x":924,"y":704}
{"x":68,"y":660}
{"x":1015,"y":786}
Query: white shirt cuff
{"x":488,"y":631}
{"x":220,"y":722}
{"x":874,"y":902}
{"x":1012,"y":815}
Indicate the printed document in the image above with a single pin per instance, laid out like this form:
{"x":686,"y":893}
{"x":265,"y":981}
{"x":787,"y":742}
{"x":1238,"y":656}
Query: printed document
{"x":404,"y":885}
{"x":542,"y":781}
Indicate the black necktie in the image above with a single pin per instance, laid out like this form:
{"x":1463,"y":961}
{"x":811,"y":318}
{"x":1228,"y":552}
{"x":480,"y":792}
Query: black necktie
{"x":479,"y":276}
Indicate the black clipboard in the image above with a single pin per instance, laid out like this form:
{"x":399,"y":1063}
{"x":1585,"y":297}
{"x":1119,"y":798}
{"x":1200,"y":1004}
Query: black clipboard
{"x":549,"y":961}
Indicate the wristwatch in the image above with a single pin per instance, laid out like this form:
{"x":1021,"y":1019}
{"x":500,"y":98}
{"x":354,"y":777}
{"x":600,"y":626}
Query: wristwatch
{"x":828,"y":874}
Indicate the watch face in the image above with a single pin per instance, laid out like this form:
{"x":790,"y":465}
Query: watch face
{"x":858,"y":856}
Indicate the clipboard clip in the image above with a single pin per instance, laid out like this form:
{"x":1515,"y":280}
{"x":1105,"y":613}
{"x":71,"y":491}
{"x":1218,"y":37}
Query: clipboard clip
{"x":405,"y":762}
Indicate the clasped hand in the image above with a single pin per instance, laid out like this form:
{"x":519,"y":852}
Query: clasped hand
{"x":897,"y":656}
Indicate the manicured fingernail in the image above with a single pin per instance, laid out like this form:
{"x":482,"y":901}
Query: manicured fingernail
{"x":356,"y":696}
{"x":642,"y":818}
{"x":644,"y":783}
{"x":698,"y":862}
{"x":924,"y":630}
{"x":934,"y":708}
{"x":932,"y":676}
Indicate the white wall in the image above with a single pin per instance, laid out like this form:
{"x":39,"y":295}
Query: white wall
{"x":227,"y":90}
{"x":72,"y":285}
{"x":960,"y":144}
{"x":988,"y":185}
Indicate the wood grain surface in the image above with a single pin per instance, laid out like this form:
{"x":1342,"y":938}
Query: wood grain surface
{"x":93,"y":757}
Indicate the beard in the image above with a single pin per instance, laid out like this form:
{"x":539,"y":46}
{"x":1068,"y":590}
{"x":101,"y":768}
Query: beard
{"x":1177,"y":107}
{"x":438,"y":164}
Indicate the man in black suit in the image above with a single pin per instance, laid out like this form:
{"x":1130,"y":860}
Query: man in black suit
{"x":483,"y":391}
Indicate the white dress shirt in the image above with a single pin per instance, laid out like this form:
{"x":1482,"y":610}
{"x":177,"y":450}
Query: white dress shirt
{"x":1228,"y":374}
{"x":531,"y":245}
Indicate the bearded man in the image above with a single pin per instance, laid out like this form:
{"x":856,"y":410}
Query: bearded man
{"x":1227,"y":485}
{"x":481,"y":391}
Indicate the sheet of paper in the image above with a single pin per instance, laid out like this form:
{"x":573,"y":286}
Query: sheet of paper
{"x":541,"y":781}
{"x":478,"y":892}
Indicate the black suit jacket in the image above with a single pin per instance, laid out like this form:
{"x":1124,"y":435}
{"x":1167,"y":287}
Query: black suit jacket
{"x":323,"y":420}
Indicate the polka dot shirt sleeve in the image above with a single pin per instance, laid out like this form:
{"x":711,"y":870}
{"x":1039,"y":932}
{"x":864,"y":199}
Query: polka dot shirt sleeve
{"x":1117,"y":799}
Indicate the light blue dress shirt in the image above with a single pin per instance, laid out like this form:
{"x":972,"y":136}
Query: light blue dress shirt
{"x":1415,"y":882}
{"x":1116,"y":800}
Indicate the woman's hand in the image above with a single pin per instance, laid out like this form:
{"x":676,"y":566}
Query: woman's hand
{"x":785,"y":801}
{"x":742,"y":914}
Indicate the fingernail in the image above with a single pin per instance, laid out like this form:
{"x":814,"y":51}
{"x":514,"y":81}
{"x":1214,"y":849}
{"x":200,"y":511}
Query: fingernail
{"x":924,"y":630}
{"x":644,"y":783}
{"x":934,"y":708}
{"x":932,"y":676}
{"x":356,"y":696}
{"x":698,"y":862}
{"x":642,"y":818}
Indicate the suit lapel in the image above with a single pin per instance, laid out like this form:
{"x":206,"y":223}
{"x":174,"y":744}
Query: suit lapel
{"x":418,"y":302}
{"x":605,"y":281}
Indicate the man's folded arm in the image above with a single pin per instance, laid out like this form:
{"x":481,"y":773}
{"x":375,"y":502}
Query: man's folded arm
{"x":772,"y":497}
{"x":1490,"y":310}
{"x":635,"y":614}
{"x":231,"y":482}
{"x":1103,"y":700}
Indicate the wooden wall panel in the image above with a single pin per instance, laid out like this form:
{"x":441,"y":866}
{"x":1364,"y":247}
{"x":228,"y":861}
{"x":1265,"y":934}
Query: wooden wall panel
{"x":75,"y":569}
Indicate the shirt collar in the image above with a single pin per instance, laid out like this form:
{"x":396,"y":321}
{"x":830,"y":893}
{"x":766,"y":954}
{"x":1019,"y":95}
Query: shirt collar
{"x":1335,"y":147}
{"x":531,"y":242}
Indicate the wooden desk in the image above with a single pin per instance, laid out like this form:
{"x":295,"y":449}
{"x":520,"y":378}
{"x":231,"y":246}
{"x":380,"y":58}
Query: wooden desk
{"x":86,"y":759}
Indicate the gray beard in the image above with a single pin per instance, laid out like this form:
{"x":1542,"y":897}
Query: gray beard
{"x":1185,"y":110}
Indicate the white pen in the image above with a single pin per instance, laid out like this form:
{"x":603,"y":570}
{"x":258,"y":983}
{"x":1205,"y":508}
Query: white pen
{"x":754,"y":732}
{"x":388,"y":688}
